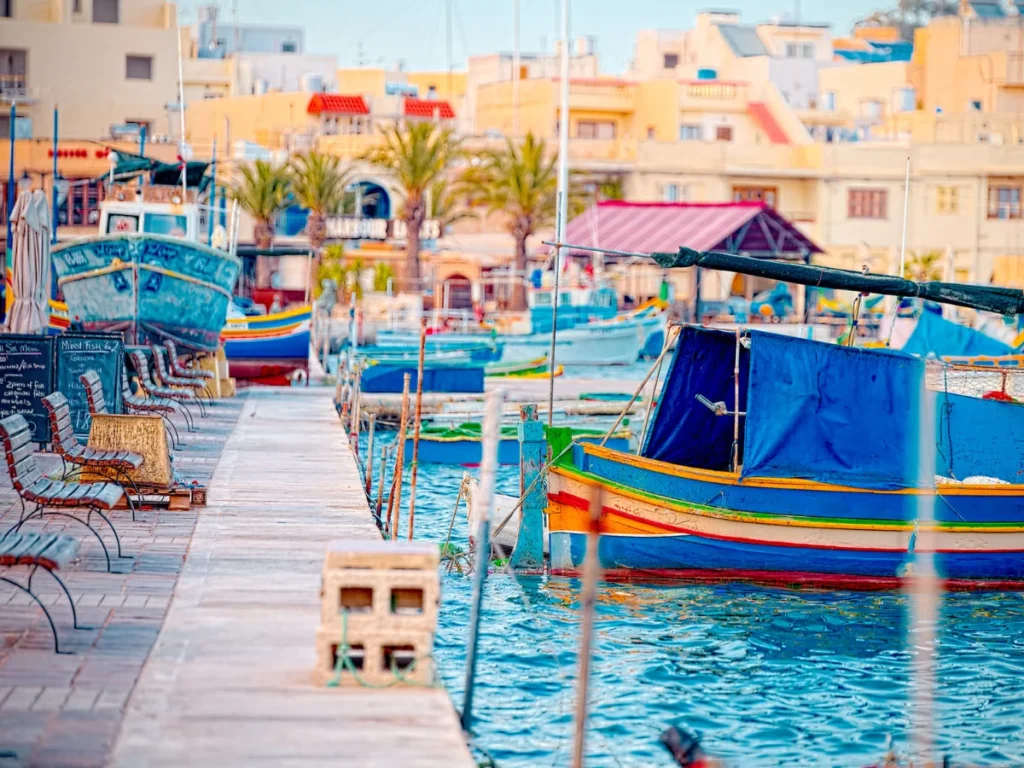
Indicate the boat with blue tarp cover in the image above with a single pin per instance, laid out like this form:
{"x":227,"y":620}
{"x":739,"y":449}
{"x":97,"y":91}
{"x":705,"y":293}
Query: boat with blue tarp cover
{"x":829,"y":478}
{"x":387,"y":378}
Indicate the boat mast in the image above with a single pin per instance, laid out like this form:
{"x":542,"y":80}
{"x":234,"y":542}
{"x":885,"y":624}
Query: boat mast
{"x":515,"y":68}
{"x":181,"y":116}
{"x":563,"y":202}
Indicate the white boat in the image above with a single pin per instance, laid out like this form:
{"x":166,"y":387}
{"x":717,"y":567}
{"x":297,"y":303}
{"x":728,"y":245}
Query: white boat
{"x":600,"y":343}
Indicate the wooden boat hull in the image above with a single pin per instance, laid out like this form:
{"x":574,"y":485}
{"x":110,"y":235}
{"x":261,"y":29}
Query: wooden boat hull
{"x":149,"y":287}
{"x":288,"y":318}
{"x":666,"y":520}
{"x":268,"y":349}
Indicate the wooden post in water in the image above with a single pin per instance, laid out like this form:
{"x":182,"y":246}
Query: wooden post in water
{"x":529,"y":548}
{"x":395,"y":509}
{"x":488,"y":465}
{"x":416,"y":428}
{"x":356,"y":404}
{"x":385,"y":452}
{"x":591,"y":576}
{"x":369,"y":455}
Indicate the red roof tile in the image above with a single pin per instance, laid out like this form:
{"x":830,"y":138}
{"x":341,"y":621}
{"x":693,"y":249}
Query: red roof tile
{"x":428,"y":108}
{"x":337,"y":104}
{"x":767,"y":122}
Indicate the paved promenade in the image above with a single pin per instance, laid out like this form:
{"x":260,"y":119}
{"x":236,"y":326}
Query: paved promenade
{"x":225,"y":677}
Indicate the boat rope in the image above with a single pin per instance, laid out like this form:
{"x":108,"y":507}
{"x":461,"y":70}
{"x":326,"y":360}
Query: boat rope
{"x":116,"y":266}
{"x":654,"y":393}
{"x":345,"y":663}
{"x":463,"y":488}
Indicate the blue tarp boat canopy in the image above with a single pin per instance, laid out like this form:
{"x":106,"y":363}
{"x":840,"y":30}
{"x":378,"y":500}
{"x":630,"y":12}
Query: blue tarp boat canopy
{"x":684,"y":431}
{"x":935,"y":335}
{"x":833,"y":414}
{"x":976,"y":437}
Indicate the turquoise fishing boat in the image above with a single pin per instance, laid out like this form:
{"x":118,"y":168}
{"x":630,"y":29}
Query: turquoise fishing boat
{"x":148,"y":274}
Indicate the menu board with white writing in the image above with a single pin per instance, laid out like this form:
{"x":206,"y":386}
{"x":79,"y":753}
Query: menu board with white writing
{"x":26,"y":377}
{"x":81,"y":352}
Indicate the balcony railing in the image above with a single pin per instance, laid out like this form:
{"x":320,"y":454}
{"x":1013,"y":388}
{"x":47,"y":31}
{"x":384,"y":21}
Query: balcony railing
{"x":13,"y":87}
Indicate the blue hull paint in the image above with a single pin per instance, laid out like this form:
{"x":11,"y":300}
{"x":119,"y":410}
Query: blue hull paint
{"x":688,"y":552}
{"x":385,"y":378}
{"x":149,"y":287}
{"x":294,"y":346}
{"x":469,"y":452}
{"x":806,"y":502}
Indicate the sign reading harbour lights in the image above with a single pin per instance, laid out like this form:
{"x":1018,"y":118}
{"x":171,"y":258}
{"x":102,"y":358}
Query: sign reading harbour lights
{"x":360,"y":228}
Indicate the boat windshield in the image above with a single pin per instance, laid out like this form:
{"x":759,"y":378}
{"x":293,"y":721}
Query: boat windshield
{"x":169,"y":224}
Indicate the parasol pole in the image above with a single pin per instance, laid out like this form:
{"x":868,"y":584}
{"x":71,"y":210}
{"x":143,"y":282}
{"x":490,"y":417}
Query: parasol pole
{"x":10,"y":185}
{"x":416,"y":428}
{"x":181,"y":117}
{"x":55,"y":203}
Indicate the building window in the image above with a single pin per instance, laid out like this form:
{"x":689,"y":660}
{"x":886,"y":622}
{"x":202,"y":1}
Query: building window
{"x":828,"y":101}
{"x":871,"y":109}
{"x":138,"y":67}
{"x":671,"y":60}
{"x":689,"y":132}
{"x":586,"y":129}
{"x":76,"y":6}
{"x":431,"y":91}
{"x":671,"y":193}
{"x":866,"y":204}
{"x":1004,"y":202}
{"x":650,"y":132}
{"x":106,"y":11}
{"x":766,"y":195}
{"x":974,"y":105}
{"x":723,"y":133}
{"x":7,"y":9}
{"x":807,"y":50}
{"x":289,"y":47}
{"x":947,"y":200}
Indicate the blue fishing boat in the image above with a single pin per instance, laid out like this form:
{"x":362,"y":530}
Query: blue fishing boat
{"x":267,"y":349}
{"x":792,"y":461}
{"x":387,"y":378}
{"x":147,"y":274}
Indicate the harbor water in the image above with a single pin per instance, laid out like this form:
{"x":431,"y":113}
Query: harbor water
{"x":766,"y":676}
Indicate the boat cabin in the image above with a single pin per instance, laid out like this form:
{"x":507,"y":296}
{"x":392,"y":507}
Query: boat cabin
{"x":154,"y":210}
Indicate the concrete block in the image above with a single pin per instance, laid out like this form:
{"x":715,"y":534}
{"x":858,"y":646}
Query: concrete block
{"x":385,"y":599}
{"x":391,"y":555}
{"x":372,"y":653}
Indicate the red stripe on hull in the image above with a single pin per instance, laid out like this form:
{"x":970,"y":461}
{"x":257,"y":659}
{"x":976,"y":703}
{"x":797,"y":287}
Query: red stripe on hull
{"x":789,"y":579}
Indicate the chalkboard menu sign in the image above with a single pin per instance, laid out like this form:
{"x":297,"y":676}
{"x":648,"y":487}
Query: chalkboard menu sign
{"x":77,"y":353}
{"x":26,"y":377}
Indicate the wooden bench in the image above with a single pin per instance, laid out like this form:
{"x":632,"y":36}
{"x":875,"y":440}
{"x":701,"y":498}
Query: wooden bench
{"x":64,"y":444}
{"x":177,"y":396}
{"x":186,"y":372}
{"x":49,"y":551}
{"x":165,"y":379}
{"x":48,"y":495}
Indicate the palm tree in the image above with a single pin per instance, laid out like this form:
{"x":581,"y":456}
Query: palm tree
{"x":520,"y":182}
{"x":449,"y":202}
{"x":416,"y":156}
{"x":262,"y":191}
{"x":318,"y":184}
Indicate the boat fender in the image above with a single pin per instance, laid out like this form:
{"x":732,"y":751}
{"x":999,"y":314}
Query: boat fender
{"x":299,"y":377}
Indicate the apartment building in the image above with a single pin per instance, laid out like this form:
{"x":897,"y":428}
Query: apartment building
{"x":105,"y":63}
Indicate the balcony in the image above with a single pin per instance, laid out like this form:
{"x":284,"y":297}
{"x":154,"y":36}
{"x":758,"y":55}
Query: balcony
{"x":14,"y":88}
{"x":602,"y":96}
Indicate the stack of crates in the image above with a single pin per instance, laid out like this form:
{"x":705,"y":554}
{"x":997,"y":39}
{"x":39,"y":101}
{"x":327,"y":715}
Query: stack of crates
{"x":388,"y":592}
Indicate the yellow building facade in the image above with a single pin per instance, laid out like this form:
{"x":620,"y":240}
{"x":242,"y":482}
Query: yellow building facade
{"x":104,"y":63}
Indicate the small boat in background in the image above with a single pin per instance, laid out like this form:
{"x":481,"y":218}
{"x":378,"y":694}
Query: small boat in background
{"x":148,"y":274}
{"x":521,"y":370}
{"x":462,"y":444}
{"x":387,"y":378}
{"x":268,"y":349}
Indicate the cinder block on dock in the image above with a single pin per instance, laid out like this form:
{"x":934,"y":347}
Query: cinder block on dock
{"x":383,"y":598}
{"x":389,"y":555}
{"x":379,"y":658}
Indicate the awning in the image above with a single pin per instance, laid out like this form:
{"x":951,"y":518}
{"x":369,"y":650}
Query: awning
{"x":751,"y":228}
{"x":428,"y":108}
{"x":337,"y":104}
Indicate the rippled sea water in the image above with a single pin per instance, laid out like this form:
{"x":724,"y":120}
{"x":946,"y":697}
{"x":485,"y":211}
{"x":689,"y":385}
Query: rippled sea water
{"x":766,"y":676}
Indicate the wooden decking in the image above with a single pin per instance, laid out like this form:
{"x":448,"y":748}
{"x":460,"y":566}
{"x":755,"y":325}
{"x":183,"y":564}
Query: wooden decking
{"x":228,"y":680}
